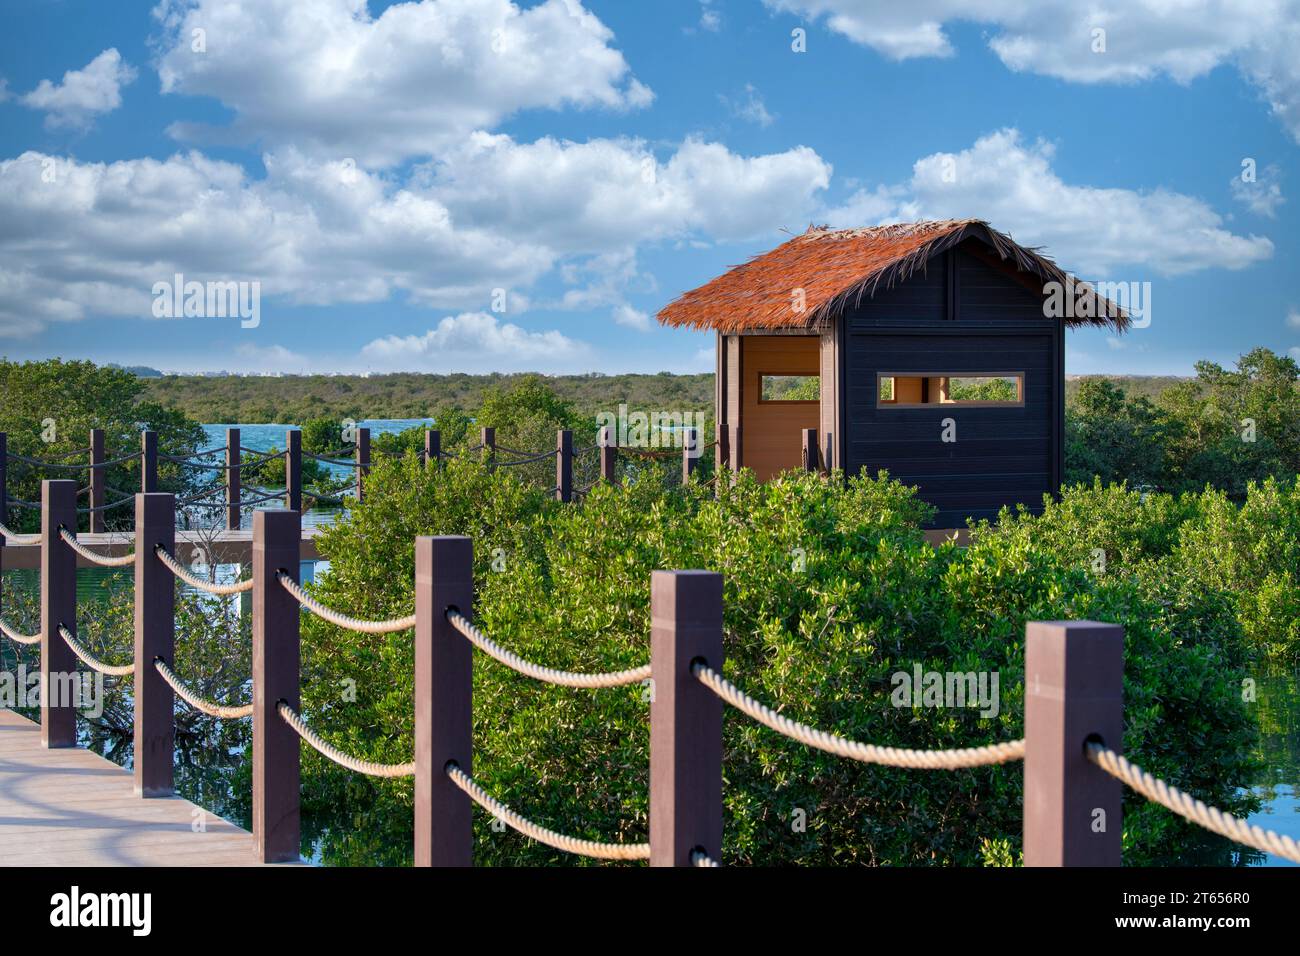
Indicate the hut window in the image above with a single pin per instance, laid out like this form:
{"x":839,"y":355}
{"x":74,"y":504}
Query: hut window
{"x":943,"y":388}
{"x":790,"y":388}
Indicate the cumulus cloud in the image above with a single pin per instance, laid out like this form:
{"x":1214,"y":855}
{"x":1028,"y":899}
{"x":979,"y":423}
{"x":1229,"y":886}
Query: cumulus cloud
{"x":84,"y":94}
{"x":477,"y":341}
{"x":92,"y":238}
{"x":333,"y":80}
{"x":1143,"y":39}
{"x":749,"y":106}
{"x":1262,"y":196}
{"x":1089,"y":229}
{"x":632,"y":318}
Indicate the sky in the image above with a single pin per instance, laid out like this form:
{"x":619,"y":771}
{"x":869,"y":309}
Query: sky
{"x":486,"y":185}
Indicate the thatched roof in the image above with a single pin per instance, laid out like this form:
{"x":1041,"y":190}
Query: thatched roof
{"x":838,"y":268}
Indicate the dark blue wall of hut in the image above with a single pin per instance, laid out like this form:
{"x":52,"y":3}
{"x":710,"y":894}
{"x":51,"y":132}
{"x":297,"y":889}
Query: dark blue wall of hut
{"x":959,"y":316}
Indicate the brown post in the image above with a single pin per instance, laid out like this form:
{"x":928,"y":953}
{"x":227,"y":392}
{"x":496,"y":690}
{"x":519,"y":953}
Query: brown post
{"x":564,"y":465}
{"x":148,"y":462}
{"x":721,"y":457}
{"x":4,"y":493}
{"x":155,"y":613}
{"x":232,"y":479}
{"x":97,"y":476}
{"x":276,"y":537}
{"x":293,"y":470}
{"x":432,"y":448}
{"x":1074,"y":683}
{"x":685,"y":717}
{"x":690,"y":455}
{"x":58,"y":606}
{"x":733,"y":445}
{"x":608,"y":455}
{"x":809,"y":452}
{"x":488,"y":439}
{"x":828,"y":452}
{"x":363,"y":460}
{"x":444,"y":578}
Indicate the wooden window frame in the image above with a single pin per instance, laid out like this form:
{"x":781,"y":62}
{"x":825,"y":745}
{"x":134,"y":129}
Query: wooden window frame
{"x":887,"y":403}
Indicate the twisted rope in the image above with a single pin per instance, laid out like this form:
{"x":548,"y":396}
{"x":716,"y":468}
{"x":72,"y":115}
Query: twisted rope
{"x":701,"y":859}
{"x":18,"y":637}
{"x":330,"y":752}
{"x":526,"y":461}
{"x":843,"y":747}
{"x":93,"y":662}
{"x":1188,"y":807}
{"x":194,"y":581}
{"x":46,"y":464}
{"x":20,"y":503}
{"x":337,"y":617}
{"x":591,"y":848}
{"x":342,"y":463}
{"x":201,"y":704}
{"x":65,"y":454}
{"x":94,"y":557}
{"x":546,"y":675}
{"x":19,"y":538}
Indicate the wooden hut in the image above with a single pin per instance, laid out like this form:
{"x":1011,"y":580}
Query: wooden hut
{"x":935,"y":350}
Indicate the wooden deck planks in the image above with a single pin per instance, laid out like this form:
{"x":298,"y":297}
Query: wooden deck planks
{"x":71,"y":807}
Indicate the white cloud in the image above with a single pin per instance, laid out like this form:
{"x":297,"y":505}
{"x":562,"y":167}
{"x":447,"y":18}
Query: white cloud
{"x":1099,"y":232}
{"x":1293,"y":318}
{"x":332,"y":80}
{"x":629,"y":317}
{"x":92,"y":238}
{"x":749,"y":107}
{"x":1144,"y":39}
{"x":93,"y":90}
{"x":477,"y":341}
{"x":271,"y":358}
{"x":1264,"y":195}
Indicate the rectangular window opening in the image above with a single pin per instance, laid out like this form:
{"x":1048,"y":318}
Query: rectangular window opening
{"x":918,"y":390}
{"x":790,"y":388}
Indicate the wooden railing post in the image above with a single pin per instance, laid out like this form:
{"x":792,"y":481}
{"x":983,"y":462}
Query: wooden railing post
{"x":685,"y":717}
{"x":809,"y":452}
{"x":488,"y":439}
{"x":1074,"y":682}
{"x":363,"y":460}
{"x":293,"y":470}
{"x":432,"y":448}
{"x":233,"y":491}
{"x":690,"y":455}
{"x":608,"y":455}
{"x":148,"y":461}
{"x":58,"y":606}
{"x":4,"y":499}
{"x":721,"y":457}
{"x":444,"y":578}
{"x":155,"y":615}
{"x":276,"y":538}
{"x":564,"y":465}
{"x":97,"y":476}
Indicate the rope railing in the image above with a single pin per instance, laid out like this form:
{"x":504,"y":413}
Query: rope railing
{"x":559,"y":841}
{"x":93,"y":662}
{"x":38,"y":463}
{"x":1189,"y":808}
{"x":327,"y":750}
{"x":852,"y":749}
{"x":341,"y":462}
{"x":547,"y":675}
{"x":195,"y":700}
{"x":194,"y":581}
{"x":108,"y":507}
{"x":94,"y":557}
{"x":527,"y":461}
{"x":17,"y":538}
{"x":63,"y":454}
{"x":338,"y":617}
{"x":17,"y":636}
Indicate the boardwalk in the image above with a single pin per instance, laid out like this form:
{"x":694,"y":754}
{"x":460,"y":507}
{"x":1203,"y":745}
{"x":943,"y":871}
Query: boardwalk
{"x":70,"y":807}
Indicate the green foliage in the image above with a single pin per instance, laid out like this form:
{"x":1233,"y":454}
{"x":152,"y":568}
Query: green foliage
{"x":830,"y":589}
{"x":48,"y":411}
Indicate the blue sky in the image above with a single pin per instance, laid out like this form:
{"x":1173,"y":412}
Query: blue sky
{"x":390,"y":175}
